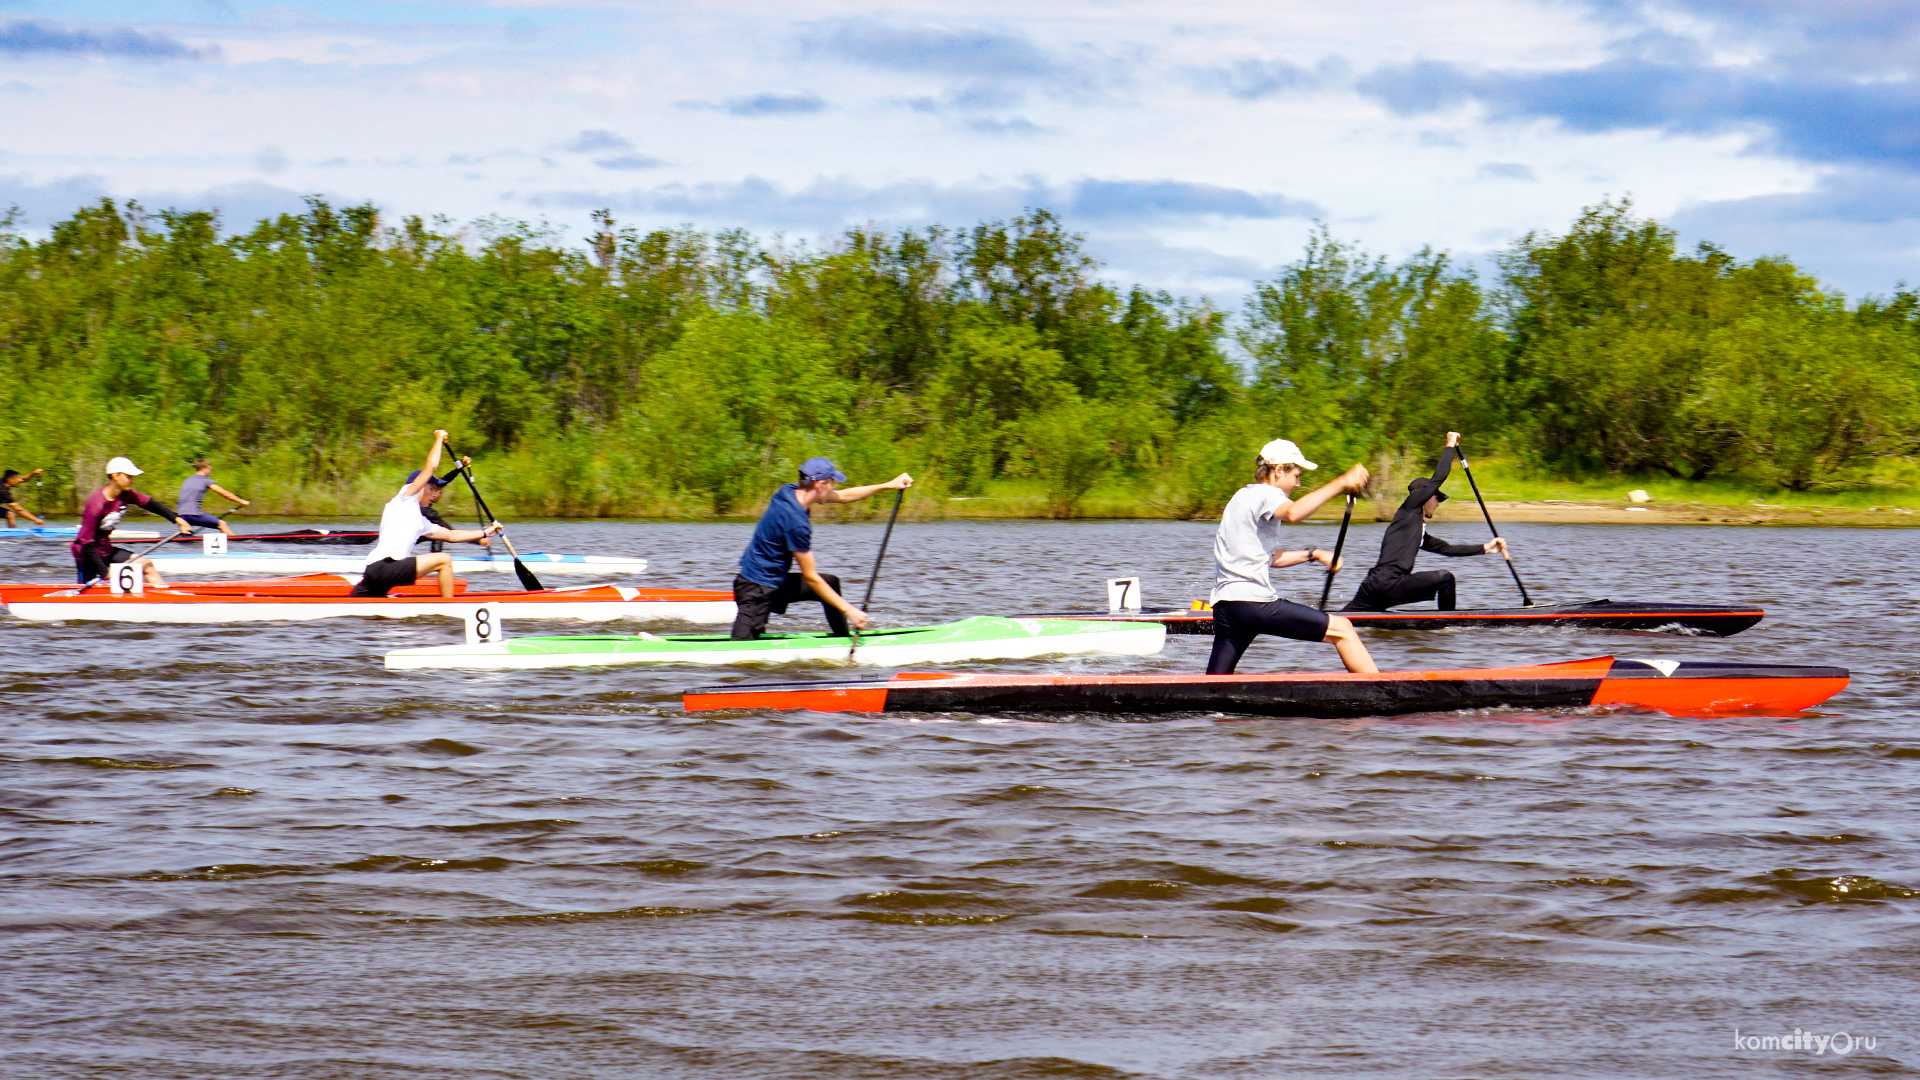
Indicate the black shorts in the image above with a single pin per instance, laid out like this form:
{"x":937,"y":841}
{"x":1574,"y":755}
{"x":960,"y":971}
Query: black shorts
{"x":1237,"y":622}
{"x":754,"y":602}
{"x":381,"y":578}
{"x":93,"y":565}
{"x":204,"y":521}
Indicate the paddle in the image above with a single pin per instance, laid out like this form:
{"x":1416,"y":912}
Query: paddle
{"x":143,"y":553}
{"x":898,"y":494}
{"x":1338,"y":543}
{"x":1525,"y":600}
{"x":527,"y":580}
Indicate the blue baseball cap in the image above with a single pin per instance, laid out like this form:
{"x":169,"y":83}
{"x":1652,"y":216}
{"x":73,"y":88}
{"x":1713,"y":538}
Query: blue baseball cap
{"x":819,"y":468}
{"x":436,"y":481}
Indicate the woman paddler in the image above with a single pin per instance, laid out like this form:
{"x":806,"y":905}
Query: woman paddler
{"x":1247,"y":546}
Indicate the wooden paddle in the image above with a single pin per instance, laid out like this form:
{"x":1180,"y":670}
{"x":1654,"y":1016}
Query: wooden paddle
{"x":527,"y":580}
{"x":1525,"y":600}
{"x":1338,"y":543}
{"x":898,"y":494}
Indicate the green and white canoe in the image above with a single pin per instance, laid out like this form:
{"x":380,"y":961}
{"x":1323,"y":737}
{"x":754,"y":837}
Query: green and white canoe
{"x":983,"y":637}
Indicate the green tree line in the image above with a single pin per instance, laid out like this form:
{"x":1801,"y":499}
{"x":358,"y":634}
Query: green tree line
{"x":676,"y":372}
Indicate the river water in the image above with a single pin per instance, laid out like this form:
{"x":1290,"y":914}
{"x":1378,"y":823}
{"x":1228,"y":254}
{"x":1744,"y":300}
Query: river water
{"x":251,"y":851}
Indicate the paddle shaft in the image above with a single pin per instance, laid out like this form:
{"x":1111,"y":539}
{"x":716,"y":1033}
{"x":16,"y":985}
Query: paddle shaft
{"x":1339,"y":542}
{"x":527,"y":580}
{"x":148,"y":550}
{"x":873,"y":578}
{"x":1468,"y":469}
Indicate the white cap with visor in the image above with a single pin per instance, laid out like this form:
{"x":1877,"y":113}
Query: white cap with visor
{"x":1283,"y":452}
{"x":121,"y":464}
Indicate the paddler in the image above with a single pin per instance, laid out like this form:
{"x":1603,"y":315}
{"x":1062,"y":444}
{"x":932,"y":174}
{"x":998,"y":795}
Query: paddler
{"x":765,"y":585}
{"x":11,"y":498}
{"x":1247,"y":546}
{"x":438,"y":488}
{"x":391,"y":563}
{"x":194,"y":488}
{"x":94,"y":555}
{"x":1392,"y":581}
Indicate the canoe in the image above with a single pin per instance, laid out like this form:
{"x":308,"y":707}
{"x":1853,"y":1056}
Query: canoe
{"x":304,"y":585}
{"x":205,"y":602}
{"x":1699,"y":620}
{"x":978,"y":638}
{"x":263,"y":562}
{"x":347,"y":537}
{"x":1683,"y":689}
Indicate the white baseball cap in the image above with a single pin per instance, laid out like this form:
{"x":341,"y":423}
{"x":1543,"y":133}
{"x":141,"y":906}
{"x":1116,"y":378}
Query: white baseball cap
{"x":121,"y":464}
{"x":1283,"y":452}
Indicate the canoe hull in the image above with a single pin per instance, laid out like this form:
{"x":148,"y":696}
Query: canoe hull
{"x":1692,"y":689}
{"x":248,"y":562}
{"x":1695,"y":620}
{"x":952,"y":643}
{"x":590,"y":604}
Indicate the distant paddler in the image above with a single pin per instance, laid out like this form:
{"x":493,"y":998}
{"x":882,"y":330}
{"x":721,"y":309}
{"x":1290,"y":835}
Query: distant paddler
{"x":195,"y":488}
{"x":403,"y":522}
{"x":10,"y":498}
{"x":765,"y":584}
{"x":1392,"y":581}
{"x":94,"y":555}
{"x":1247,"y":546}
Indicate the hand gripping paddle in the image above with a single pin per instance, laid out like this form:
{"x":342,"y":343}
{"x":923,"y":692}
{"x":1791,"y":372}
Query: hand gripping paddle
{"x":1338,"y":543}
{"x":898,"y":494}
{"x":1525,"y":600}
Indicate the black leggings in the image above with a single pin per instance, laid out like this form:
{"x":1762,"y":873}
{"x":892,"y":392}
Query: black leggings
{"x":754,"y":602}
{"x":1237,"y":622}
{"x":1382,"y":591}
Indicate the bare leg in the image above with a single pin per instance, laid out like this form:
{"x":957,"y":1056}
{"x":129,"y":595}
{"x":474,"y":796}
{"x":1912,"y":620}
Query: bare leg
{"x":437,"y":562}
{"x":1353,"y":653}
{"x":223,"y":526}
{"x":152,"y":573}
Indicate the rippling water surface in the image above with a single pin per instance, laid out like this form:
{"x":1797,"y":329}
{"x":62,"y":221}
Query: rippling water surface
{"x":252,"y":851}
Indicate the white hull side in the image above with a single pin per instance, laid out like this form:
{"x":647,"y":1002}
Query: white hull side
{"x":243,"y":563}
{"x":1132,"y":641}
{"x":703,"y":612}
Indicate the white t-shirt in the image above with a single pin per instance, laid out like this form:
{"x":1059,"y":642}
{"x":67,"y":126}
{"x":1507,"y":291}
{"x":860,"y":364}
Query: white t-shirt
{"x":1244,"y":545}
{"x":401,"y":526}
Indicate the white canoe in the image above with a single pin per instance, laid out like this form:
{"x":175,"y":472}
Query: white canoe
{"x":268,"y":562}
{"x":587,"y":603}
{"x":978,"y":638}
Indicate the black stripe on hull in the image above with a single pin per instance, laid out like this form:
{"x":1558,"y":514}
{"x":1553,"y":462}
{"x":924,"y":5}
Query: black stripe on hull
{"x":1317,"y":700}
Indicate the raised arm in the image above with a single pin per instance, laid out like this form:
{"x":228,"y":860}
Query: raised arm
{"x":1301,"y":509}
{"x":426,"y":471}
{"x":855,"y":494}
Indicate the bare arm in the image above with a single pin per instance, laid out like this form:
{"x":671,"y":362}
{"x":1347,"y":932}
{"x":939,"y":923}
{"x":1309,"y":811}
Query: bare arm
{"x":461,"y":536}
{"x":804,"y":559}
{"x":855,"y":494}
{"x":426,"y":471}
{"x":228,"y":495}
{"x":1302,"y":508}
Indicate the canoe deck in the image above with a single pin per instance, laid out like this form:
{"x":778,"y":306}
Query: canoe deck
{"x":1695,"y":620}
{"x":1682,"y":689}
{"x":223,"y":604}
{"x":474,"y":562}
{"x":979,"y":638}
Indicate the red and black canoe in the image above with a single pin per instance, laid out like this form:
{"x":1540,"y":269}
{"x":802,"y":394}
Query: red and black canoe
{"x":347,"y":537}
{"x":1682,"y":689}
{"x":1702,"y":620}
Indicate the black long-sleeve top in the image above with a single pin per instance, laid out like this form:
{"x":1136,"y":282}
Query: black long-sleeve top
{"x":1407,"y":537}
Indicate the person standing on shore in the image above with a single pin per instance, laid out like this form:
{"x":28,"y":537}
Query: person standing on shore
{"x":402,"y":522}
{"x":765,"y":586}
{"x":94,"y":555}
{"x":10,"y":498}
{"x":194,"y":488}
{"x":1247,"y":546}
{"x":1392,"y":581}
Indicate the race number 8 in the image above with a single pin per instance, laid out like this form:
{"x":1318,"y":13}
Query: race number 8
{"x":483,"y":625}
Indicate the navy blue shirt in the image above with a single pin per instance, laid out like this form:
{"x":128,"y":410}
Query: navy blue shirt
{"x":784,"y":531}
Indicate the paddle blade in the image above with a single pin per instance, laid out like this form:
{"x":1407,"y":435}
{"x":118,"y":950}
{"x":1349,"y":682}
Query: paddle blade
{"x":527,"y":580}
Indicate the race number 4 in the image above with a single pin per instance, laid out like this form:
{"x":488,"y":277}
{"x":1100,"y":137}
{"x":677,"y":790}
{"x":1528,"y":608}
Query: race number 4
{"x":213,"y":543}
{"x":127,"y":580}
{"x":1123,"y":594}
{"x":483,"y":625}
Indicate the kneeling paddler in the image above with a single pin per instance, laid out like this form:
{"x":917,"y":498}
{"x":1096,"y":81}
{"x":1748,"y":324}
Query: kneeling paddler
{"x":1392,"y":581}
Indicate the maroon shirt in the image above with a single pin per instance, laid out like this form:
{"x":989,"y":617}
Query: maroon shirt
{"x":93,"y":534}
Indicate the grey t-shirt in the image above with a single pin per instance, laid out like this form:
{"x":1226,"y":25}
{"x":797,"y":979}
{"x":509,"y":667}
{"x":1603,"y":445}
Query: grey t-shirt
{"x":1244,"y":545}
{"x":192,"y":490}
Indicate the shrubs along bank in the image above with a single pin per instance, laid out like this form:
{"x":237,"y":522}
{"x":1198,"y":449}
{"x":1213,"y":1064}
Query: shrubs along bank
{"x":678,"y":373}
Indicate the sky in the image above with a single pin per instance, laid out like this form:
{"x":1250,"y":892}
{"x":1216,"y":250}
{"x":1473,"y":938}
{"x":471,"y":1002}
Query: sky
{"x":1194,"y":144}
